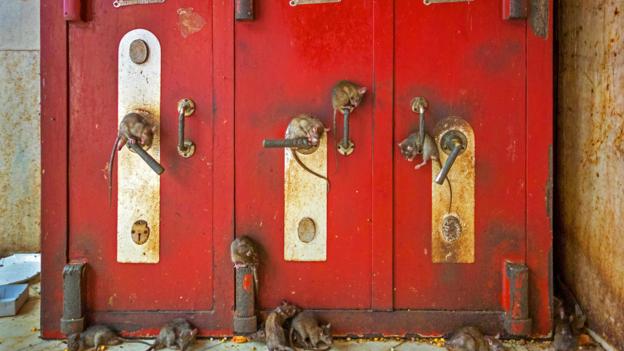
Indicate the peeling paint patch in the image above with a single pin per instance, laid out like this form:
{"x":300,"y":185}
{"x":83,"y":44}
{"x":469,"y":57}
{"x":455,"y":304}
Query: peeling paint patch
{"x":189,"y":21}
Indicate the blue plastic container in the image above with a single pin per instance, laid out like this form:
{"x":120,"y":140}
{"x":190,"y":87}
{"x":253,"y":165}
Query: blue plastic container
{"x":12,"y":298}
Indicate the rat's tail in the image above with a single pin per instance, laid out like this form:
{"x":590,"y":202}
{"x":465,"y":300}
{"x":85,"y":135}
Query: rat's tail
{"x":450,"y":205}
{"x":296,"y":157}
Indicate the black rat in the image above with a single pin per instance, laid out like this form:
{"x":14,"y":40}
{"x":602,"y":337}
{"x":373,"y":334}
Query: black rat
{"x":134,"y":128}
{"x":94,"y":337}
{"x":410,"y":147}
{"x":310,"y":128}
{"x":309,"y":334}
{"x":346,"y":95}
{"x":274,"y":326}
{"x":177,"y":334}
{"x":244,"y":253}
{"x":471,"y":339}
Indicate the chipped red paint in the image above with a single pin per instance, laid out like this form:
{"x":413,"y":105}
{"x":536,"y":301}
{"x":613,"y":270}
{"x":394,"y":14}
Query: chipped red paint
{"x":248,"y":282}
{"x":464,"y":58}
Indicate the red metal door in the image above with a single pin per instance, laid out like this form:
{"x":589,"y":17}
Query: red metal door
{"x":470,"y":63}
{"x":287,"y":61}
{"x":379,"y":276}
{"x":248,"y":79}
{"x":182,"y":282}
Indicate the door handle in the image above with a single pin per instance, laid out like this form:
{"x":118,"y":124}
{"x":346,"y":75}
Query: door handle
{"x":186,"y":148}
{"x":453,"y":143}
{"x":419,"y":105}
{"x":346,"y":146}
{"x":297,"y":143}
{"x":151,"y":162}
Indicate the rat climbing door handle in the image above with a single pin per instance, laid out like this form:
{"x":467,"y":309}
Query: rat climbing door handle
{"x":186,"y":148}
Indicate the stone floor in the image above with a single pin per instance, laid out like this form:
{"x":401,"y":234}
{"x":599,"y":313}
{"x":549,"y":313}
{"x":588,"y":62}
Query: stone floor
{"x":21,"y":333}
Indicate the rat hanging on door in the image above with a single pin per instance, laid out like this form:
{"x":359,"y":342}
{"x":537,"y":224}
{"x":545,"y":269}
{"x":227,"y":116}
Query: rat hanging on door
{"x":244,"y":253}
{"x":411,"y":147}
{"x":133,"y":128}
{"x":346,"y":95}
{"x":310,"y":128}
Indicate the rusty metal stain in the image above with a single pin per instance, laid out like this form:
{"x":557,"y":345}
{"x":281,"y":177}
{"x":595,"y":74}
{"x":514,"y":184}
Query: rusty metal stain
{"x":539,"y":17}
{"x":189,"y":21}
{"x":462,"y":178}
{"x":589,"y":157}
{"x":138,"y":186}
{"x":305,"y":196}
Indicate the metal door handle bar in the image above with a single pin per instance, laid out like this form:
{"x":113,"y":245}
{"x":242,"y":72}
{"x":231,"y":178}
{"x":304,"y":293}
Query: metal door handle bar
{"x":453,"y":143}
{"x":419,"y":105}
{"x":151,"y":162}
{"x":283,"y":143}
{"x":186,"y":148}
{"x":345,"y":146}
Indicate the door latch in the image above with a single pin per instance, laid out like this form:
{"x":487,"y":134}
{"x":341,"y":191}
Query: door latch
{"x":311,"y":2}
{"x":430,"y":2}
{"x":121,"y":3}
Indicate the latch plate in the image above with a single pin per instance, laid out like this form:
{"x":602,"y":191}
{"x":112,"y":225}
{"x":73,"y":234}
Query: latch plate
{"x":138,"y":189}
{"x":452,"y":230}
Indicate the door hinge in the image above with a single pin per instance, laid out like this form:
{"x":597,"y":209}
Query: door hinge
{"x":515,"y":9}
{"x":72,"y":10}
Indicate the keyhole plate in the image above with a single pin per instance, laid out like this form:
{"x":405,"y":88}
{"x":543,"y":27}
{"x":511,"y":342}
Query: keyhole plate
{"x":452,"y":234}
{"x":138,"y":187}
{"x":140,"y":232}
{"x":306,"y":229}
{"x":305,"y":206}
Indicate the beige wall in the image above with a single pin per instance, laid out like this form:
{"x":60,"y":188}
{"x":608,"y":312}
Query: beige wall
{"x":590,"y":153}
{"x":20,"y":166}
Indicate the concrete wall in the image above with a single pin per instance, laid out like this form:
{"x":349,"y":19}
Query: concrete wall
{"x":20,"y":165}
{"x":590,"y":159}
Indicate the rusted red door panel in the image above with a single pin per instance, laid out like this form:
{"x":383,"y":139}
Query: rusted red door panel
{"x":287,"y":62}
{"x":183,"y":279}
{"x":470,"y":63}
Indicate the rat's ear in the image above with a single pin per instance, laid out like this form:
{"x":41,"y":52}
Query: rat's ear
{"x":154,"y":128}
{"x":362,"y":90}
{"x":194,"y":332}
